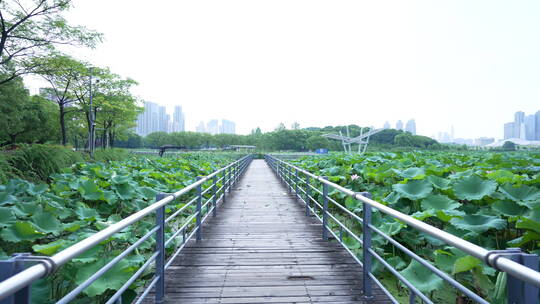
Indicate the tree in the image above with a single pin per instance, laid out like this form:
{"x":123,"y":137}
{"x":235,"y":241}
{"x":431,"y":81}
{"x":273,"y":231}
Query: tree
{"x":295,"y":126}
{"x":19,"y":114}
{"x":281,"y":127}
{"x":61,"y":72}
{"x":317,"y":142}
{"x":509,"y":146}
{"x":31,"y":29}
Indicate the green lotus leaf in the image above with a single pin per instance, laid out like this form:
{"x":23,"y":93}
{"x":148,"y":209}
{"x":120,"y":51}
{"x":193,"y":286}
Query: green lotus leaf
{"x":6,"y":217}
{"x":415,"y":189}
{"x":447,"y":215}
{"x":21,"y":231}
{"x":147,"y":192}
{"x":523,"y":194}
{"x":439,"y":182}
{"x":473,"y":188}
{"x":421,"y":277}
{"x":416,"y":173}
{"x":396,"y":262}
{"x":111,"y":280}
{"x":508,"y":208}
{"x":439,"y":202}
{"x":86,"y":214}
{"x":50,"y":248}
{"x":37,"y":189}
{"x":125,"y":191}
{"x":47,"y":223}
{"x":7,"y":199}
{"x":89,"y":190}
{"x":503,"y":176}
{"x":465,"y":263}
{"x":525,"y":223}
{"x":527,"y":237}
{"x":478,"y":223}
{"x":445,"y":260}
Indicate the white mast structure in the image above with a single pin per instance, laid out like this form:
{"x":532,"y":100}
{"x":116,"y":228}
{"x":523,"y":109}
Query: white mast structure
{"x":362,"y":140}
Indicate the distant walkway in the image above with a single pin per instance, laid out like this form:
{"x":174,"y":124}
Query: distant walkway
{"x":261,"y":248}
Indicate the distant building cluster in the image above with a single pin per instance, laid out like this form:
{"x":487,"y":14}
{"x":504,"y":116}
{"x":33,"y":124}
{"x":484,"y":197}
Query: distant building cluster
{"x":524,"y":127}
{"x":410,"y":126}
{"x":214,"y":127}
{"x":155,"y":119}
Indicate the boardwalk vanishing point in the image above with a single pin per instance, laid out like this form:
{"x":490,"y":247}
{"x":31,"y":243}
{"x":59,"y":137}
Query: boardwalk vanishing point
{"x":262,"y":248}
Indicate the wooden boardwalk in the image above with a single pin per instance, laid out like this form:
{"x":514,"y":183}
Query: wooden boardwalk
{"x":261,"y":248}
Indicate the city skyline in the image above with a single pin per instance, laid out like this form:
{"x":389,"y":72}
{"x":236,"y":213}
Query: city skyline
{"x":523,"y":127}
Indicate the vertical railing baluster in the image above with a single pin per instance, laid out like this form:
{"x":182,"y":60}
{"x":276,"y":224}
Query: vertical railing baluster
{"x":412,"y":297}
{"x":308,"y":200}
{"x":325,"y":211}
{"x":214,"y":199}
{"x":198,"y":218}
{"x":223,"y":178}
{"x":296,"y":180}
{"x":366,"y":255}
{"x":160,"y":248}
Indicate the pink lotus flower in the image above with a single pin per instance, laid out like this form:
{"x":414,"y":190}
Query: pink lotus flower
{"x":354,"y":176}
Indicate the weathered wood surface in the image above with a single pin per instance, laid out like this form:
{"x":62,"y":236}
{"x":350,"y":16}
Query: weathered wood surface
{"x":261,"y":248}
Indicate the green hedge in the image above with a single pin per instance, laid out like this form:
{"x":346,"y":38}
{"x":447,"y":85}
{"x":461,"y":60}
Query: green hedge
{"x":38,"y":162}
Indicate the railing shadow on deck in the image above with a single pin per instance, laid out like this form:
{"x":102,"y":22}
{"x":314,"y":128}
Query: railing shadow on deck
{"x":523,"y":279}
{"x":205,"y":195}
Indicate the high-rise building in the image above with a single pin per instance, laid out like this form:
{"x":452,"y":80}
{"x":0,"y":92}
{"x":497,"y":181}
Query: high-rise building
{"x":147,"y":122}
{"x":519,"y":125}
{"x":212,"y":127}
{"x":201,"y":128}
{"x":386,"y":125}
{"x":179,"y":121}
{"x":411,"y":127}
{"x":508,"y":130}
{"x":530,"y":127}
{"x":537,"y":124}
{"x":399,"y":125}
{"x":163,"y":119}
{"x":227,"y":127}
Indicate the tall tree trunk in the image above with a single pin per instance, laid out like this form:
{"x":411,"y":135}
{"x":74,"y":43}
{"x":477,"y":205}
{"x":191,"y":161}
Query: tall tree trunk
{"x":63,"y":125}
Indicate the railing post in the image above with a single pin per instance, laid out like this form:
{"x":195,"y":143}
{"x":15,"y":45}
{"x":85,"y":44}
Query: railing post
{"x":160,"y":248}
{"x":214,"y":199}
{"x":198,"y":234}
{"x":296,"y":180}
{"x":9,"y":268}
{"x":325,"y":211}
{"x":289,"y":178}
{"x":308,"y":194}
{"x":517,"y":291}
{"x":223,"y":183}
{"x":366,"y":255}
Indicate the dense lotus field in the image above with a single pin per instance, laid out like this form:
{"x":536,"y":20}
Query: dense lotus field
{"x":44,"y":219}
{"x":490,"y":199}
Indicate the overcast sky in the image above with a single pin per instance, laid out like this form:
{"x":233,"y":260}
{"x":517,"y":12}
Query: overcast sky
{"x":470,"y":64}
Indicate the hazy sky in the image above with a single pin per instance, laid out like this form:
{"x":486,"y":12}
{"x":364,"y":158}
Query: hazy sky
{"x":470,"y":64}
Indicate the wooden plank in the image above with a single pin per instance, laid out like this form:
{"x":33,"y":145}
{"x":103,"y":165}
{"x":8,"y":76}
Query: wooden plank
{"x":263,"y":249}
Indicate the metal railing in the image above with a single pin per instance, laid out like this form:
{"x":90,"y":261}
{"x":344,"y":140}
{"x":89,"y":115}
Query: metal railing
{"x":523,"y":280}
{"x":17,"y":280}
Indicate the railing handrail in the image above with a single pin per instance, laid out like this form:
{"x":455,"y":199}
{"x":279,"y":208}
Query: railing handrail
{"x":496,"y":261}
{"x":31,"y":274}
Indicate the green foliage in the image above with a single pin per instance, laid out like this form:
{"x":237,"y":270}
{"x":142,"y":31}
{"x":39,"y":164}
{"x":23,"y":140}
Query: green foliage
{"x":490,"y":199}
{"x":39,"y":162}
{"x":31,"y":30}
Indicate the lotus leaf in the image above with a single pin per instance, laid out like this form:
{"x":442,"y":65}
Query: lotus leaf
{"x":473,"y":188}
{"x":415,"y":189}
{"x":478,"y":223}
{"x":421,"y":277}
{"x":526,"y":195}
{"x":439,"y":202}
